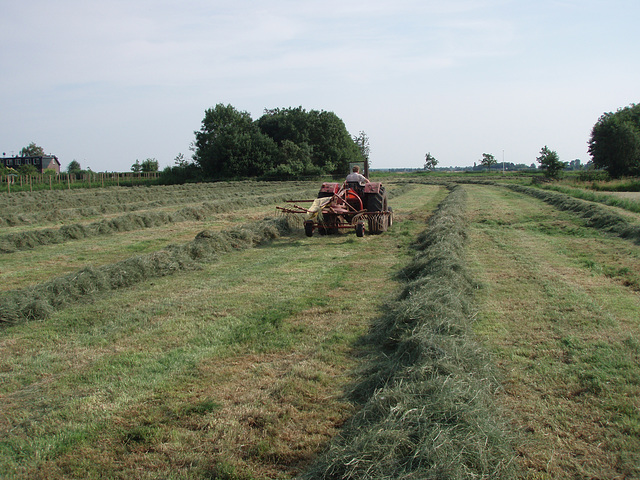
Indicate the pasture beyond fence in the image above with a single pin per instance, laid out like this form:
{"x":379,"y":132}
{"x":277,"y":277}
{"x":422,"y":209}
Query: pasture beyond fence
{"x":21,"y":183}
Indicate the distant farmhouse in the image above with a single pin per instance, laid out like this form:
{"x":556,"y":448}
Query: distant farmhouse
{"x":42,"y":163}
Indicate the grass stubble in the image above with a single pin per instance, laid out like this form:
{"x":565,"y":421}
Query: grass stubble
{"x":427,"y":389}
{"x":216,"y":373}
{"x":233,"y":370}
{"x":559,"y":311}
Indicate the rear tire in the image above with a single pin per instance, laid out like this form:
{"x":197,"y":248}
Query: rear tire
{"x":308,"y":228}
{"x":377,"y":202}
{"x":377,"y":224}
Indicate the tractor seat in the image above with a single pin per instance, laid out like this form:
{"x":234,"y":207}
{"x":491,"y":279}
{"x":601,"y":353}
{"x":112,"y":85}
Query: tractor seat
{"x":359,"y":189}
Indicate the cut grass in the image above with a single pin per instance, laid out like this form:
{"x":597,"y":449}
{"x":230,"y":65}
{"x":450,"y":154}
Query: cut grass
{"x":235,"y":370}
{"x":608,"y":219}
{"x":427,"y":390}
{"x":564,"y":333}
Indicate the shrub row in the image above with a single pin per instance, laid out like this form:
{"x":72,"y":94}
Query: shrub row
{"x":595,"y":215}
{"x":427,"y":392}
{"x":36,"y":303}
{"x":130,"y":222}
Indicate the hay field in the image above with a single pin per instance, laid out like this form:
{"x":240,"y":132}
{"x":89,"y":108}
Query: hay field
{"x":183,"y":332}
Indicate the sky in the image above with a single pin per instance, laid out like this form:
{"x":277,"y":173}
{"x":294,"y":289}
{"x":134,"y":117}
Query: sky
{"x":111,"y":82}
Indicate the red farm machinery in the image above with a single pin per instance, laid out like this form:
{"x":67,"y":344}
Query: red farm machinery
{"x":347,"y":205}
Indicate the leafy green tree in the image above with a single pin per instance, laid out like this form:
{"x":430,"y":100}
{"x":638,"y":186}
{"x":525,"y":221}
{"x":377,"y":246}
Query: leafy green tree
{"x":575,"y":164}
{"x":331,"y":146}
{"x":74,"y":167}
{"x":430,"y":161}
{"x":27,"y":170}
{"x":181,"y":161}
{"x":32,"y":150}
{"x":136,"y":167}
{"x":550,"y":162}
{"x":488,"y":160}
{"x":615,"y":142}
{"x":230,"y":144}
{"x":150,"y":165}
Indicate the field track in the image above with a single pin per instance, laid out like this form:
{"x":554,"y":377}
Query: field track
{"x":237,"y":368}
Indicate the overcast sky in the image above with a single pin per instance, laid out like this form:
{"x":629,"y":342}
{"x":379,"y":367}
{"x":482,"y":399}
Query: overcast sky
{"x":109,"y":82}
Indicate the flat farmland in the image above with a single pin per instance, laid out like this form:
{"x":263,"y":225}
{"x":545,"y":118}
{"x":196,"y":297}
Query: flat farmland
{"x":239,"y":365}
{"x":560,"y":310}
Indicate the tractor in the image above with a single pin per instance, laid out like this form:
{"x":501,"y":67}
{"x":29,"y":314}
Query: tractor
{"x":348,"y":205}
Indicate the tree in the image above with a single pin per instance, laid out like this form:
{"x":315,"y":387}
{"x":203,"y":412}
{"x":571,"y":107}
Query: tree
{"x":488,"y":160}
{"x":150,"y":165}
{"x":136,"y":167}
{"x":74,"y":167}
{"x":615,"y":142}
{"x":32,"y":150}
{"x":550,"y":162}
{"x":324,"y":133}
{"x":575,"y":164}
{"x":230,"y":144}
{"x":430,"y":161}
{"x":181,"y":161}
{"x":27,"y":170}
{"x":362,"y":142}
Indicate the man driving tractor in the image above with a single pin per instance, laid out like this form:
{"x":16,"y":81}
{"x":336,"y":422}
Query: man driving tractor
{"x":356,"y":176}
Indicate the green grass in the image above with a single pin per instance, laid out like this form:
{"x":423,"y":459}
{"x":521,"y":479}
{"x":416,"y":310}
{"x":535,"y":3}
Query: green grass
{"x":595,"y":196}
{"x":559,"y":311}
{"x":236,"y":369}
{"x":427,"y":389}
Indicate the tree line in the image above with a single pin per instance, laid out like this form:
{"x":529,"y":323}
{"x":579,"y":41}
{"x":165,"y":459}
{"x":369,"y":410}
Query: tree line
{"x":282,"y":143}
{"x":293,"y":142}
{"x":614,"y":147}
{"x":615,"y":142}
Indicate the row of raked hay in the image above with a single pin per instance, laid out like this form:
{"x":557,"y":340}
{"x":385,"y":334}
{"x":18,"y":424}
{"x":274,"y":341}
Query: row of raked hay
{"x":42,"y":207}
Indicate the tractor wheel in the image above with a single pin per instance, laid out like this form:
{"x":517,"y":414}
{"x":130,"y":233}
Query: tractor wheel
{"x":377,"y":202}
{"x":308,"y":228}
{"x":378,"y":224}
{"x":360,"y":229}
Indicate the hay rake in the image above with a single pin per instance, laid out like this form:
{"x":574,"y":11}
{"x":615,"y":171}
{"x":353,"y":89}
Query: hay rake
{"x":342,"y":206}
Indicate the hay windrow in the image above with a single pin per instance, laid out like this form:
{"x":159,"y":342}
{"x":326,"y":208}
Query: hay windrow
{"x":36,"y":303}
{"x":427,"y":391}
{"x":595,"y":216}
{"x":53,"y":206}
{"x":134,"y":221}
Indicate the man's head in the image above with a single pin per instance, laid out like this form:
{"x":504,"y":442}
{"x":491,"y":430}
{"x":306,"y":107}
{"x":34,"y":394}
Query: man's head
{"x":356,"y":169}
